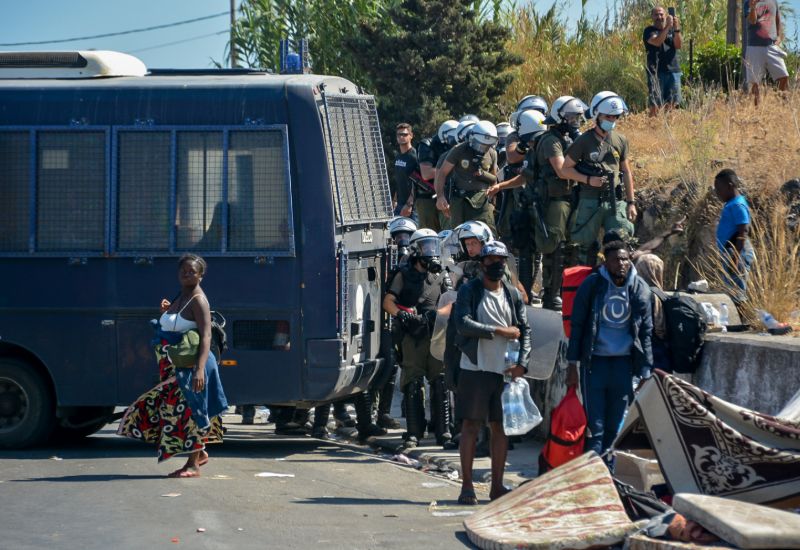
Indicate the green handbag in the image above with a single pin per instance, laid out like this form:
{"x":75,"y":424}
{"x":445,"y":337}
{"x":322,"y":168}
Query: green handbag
{"x":184,"y":354}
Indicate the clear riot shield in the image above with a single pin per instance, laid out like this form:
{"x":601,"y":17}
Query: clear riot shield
{"x":548,"y":332}
{"x":438,"y":337}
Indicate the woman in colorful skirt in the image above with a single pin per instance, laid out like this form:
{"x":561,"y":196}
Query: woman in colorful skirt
{"x":181,"y":414}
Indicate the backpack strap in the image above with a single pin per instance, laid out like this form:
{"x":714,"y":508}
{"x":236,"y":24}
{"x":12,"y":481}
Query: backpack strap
{"x":659,"y":293}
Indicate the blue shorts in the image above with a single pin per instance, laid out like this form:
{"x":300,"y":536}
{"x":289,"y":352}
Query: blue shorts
{"x":664,"y":88}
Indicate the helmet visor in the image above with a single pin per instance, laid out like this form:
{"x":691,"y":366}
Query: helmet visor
{"x":429,"y":247}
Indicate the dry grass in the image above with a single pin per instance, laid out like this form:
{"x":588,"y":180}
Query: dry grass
{"x":676,"y":157}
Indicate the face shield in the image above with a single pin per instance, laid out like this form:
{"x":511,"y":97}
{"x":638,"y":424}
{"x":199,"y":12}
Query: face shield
{"x":402,"y":238}
{"x":430,"y":252}
{"x":482,"y":143}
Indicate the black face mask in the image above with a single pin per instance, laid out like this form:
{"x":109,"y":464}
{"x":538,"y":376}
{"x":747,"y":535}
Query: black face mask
{"x":495,"y":271}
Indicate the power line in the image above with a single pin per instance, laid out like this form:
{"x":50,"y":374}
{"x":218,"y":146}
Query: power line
{"x":165,"y":44}
{"x":132,"y":31}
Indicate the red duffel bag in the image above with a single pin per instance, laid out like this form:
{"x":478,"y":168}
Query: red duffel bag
{"x":567,"y":433}
{"x":573,"y":277}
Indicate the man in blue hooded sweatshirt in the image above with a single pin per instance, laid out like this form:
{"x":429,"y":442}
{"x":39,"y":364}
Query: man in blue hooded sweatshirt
{"x":612,"y":327}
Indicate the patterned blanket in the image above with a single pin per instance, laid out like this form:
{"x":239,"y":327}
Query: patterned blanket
{"x":709,"y":446}
{"x":573,"y":506}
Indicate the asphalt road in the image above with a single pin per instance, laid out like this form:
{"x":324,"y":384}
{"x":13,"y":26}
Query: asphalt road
{"x":109,"y":492}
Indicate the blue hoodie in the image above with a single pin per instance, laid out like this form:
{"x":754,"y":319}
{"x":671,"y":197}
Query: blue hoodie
{"x":614,"y":336}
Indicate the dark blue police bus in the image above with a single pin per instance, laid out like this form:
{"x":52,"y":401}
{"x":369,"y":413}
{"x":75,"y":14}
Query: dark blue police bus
{"x":109,"y":172}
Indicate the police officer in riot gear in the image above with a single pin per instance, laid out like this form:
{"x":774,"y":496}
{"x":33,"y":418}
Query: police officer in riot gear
{"x":598,"y":161}
{"x":411,"y":298}
{"x":565,"y":119}
{"x":400,"y":229}
{"x":528,"y":204}
{"x":474,"y":168}
{"x":428,"y":152}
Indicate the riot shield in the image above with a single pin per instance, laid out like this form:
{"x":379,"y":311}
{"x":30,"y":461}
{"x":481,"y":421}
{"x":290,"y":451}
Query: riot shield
{"x":548,"y":332}
{"x":439,"y":334}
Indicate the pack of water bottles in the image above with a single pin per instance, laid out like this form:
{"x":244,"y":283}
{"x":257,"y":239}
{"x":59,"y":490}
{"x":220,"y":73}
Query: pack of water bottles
{"x":520,"y":414}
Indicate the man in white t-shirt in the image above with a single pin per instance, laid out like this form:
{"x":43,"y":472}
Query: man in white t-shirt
{"x":489,"y":313}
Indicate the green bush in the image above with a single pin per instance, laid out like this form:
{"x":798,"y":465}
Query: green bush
{"x":716,"y":64}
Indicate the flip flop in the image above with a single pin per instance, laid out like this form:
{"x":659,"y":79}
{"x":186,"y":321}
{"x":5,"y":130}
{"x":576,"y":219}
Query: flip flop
{"x":468,"y":497}
{"x":184,"y":474}
{"x":505,"y":491}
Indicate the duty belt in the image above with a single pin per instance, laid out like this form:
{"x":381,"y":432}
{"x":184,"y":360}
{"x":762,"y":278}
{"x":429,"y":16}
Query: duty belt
{"x":462,"y":193}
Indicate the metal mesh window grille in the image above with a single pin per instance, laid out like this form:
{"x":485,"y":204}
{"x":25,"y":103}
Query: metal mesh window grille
{"x":356,"y":156}
{"x":144,"y":181}
{"x":71,"y":191}
{"x":258,"y":197}
{"x":198,"y":219}
{"x":15,"y":185}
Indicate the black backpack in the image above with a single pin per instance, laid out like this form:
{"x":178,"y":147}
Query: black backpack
{"x":686,"y":326}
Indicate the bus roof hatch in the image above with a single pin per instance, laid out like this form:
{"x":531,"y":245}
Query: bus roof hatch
{"x":80,"y":64}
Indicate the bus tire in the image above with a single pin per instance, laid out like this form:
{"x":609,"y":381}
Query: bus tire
{"x":79,"y":417}
{"x":27,"y":408}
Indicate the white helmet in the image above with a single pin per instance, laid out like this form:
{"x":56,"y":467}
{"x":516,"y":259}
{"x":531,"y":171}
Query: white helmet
{"x":503,"y":129}
{"x":607,"y":103}
{"x":534,"y":102}
{"x":473,"y":229}
{"x":425,"y":244}
{"x":568,"y":110}
{"x":463,"y":129}
{"x":483,"y":136}
{"x":531,"y":124}
{"x":400,"y":224}
{"x":446,"y":126}
{"x":468,"y":118}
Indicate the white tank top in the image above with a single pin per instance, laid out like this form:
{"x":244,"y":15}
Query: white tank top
{"x":173,"y":322}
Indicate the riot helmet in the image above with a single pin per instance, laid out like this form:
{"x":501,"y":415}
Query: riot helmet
{"x":447,"y":126}
{"x":531,"y":124}
{"x":483,"y":136}
{"x":567,"y":111}
{"x":463,"y":130}
{"x":607,"y":103}
{"x":401,"y":229}
{"x":468,"y":118}
{"x":535,"y":102}
{"x":472,"y":230}
{"x":503,"y":129}
{"x":427,"y":249}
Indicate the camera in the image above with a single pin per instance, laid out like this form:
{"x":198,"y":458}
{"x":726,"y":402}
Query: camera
{"x":671,"y":11}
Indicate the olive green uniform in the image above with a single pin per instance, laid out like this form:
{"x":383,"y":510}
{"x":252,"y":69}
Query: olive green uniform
{"x":556,"y":194}
{"x":468,"y":200}
{"x":595,"y":209}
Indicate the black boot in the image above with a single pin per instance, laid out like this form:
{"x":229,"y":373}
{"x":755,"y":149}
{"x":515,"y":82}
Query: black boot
{"x":386,"y":395}
{"x":248,"y":414}
{"x":440,"y":410}
{"x":366,"y":428}
{"x":342,"y":417}
{"x":320,"y":427}
{"x":415,"y":413}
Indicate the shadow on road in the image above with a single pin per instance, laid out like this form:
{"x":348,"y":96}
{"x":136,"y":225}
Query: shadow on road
{"x":99,"y":477}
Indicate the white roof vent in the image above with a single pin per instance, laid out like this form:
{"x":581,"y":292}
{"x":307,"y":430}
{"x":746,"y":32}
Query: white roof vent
{"x":83,"y":64}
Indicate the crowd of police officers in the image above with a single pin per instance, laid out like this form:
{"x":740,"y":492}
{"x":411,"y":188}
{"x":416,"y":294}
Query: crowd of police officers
{"x":537,"y":183}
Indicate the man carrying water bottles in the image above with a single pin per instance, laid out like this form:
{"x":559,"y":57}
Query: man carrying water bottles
{"x":489,"y":313}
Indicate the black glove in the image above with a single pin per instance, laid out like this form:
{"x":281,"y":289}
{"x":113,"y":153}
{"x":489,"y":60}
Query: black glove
{"x":410,"y":321}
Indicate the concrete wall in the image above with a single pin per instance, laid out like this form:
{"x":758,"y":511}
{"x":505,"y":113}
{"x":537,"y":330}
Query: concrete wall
{"x":760,"y":372}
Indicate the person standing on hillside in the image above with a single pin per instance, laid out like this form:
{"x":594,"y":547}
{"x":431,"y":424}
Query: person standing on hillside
{"x":733,"y":233}
{"x":662,"y":40}
{"x":764,"y":53}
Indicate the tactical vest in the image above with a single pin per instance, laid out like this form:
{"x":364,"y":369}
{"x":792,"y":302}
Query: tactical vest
{"x":420,"y":290}
{"x":556,"y":187}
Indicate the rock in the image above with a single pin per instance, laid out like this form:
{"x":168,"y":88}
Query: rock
{"x":742,"y":524}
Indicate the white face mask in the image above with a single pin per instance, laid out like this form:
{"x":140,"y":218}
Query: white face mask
{"x":607,"y":125}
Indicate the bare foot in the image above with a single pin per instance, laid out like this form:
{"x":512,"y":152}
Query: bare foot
{"x":203,"y":459}
{"x":189,"y":472}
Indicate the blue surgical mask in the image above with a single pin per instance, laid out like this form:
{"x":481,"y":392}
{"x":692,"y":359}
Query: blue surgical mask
{"x":607,"y":125}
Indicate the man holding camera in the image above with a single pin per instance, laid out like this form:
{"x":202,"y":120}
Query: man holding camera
{"x":662,"y":40}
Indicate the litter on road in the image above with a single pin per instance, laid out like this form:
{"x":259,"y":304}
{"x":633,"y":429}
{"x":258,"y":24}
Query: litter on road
{"x":171,"y":495}
{"x":273,"y":474}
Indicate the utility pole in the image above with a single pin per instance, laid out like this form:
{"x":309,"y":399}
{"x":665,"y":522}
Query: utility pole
{"x":731,"y":36}
{"x":232,"y":42}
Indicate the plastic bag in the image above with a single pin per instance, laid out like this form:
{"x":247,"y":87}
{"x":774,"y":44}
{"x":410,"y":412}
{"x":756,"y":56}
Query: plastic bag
{"x":520,"y":414}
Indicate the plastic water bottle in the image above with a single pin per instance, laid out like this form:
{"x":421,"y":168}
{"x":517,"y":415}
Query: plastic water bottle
{"x":768,"y":320}
{"x":512,"y":353}
{"x":511,"y":412}
{"x":724,"y":317}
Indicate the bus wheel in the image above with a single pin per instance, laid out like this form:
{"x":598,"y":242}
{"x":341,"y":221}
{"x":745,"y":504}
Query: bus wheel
{"x":27,"y":413}
{"x":82,"y":422}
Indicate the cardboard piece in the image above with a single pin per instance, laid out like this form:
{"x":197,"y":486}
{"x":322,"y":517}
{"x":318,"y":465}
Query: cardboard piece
{"x":638,"y":468}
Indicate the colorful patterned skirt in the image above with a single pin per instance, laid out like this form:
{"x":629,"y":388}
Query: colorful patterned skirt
{"x":164,"y":415}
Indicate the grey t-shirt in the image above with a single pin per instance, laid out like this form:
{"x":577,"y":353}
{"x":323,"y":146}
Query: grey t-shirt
{"x":765,"y":31}
{"x":494,"y":310}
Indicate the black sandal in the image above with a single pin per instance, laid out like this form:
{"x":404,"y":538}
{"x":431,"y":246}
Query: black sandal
{"x":506,"y":490}
{"x":468,"y":497}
